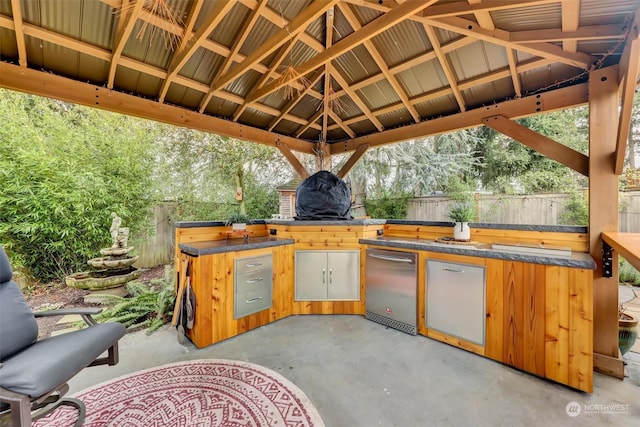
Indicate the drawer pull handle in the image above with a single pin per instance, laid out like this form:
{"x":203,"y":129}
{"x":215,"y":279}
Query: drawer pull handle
{"x":391,"y":258}
{"x":453,"y":270}
{"x":257,"y":264}
{"x":249,"y":301}
{"x":259,"y":279}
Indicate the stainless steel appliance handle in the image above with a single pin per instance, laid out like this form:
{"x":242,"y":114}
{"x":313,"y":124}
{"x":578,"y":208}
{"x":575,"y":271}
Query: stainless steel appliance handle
{"x":453,"y":270}
{"x":249,"y":301}
{"x":391,"y":258}
{"x":257,"y":264}
{"x":259,"y":279}
{"x":330,"y":276}
{"x":324,"y":274}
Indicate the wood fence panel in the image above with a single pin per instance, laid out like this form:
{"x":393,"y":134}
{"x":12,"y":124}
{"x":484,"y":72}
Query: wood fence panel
{"x":535,"y":209}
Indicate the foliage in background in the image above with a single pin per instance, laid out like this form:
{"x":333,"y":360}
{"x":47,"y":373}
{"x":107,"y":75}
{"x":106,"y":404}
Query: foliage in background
{"x":63,"y":170}
{"x":627,"y":273}
{"x":576,"y":210}
{"x":202,"y":172}
{"x":147,"y":306}
{"x":387,"y":207}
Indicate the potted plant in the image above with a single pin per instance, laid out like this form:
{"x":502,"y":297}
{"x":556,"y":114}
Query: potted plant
{"x":462,"y":214}
{"x":627,"y":327}
{"x":238,"y":221}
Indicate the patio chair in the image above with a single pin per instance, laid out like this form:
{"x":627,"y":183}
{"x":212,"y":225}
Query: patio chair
{"x":34,"y":373}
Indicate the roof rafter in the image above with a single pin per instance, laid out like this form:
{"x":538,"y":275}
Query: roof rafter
{"x":297,"y":25}
{"x":326,"y":88}
{"x":502,"y":38}
{"x":235,"y":48}
{"x":592,"y":32}
{"x":354,"y":39}
{"x":570,"y":22}
{"x":446,"y":66}
{"x":16,"y":10}
{"x":292,"y":103}
{"x":189,"y":47}
{"x":125,"y":28}
{"x":382,"y":65}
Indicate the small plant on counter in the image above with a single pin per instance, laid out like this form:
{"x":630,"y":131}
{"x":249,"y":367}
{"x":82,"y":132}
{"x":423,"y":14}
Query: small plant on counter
{"x":238,"y":221}
{"x":462,"y":212}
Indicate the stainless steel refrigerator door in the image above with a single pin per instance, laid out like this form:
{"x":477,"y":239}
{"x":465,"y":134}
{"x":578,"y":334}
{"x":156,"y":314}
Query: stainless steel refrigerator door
{"x":391,"y":285}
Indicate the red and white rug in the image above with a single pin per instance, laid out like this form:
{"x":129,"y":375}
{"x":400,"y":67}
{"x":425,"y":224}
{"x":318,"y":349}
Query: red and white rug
{"x":209,"y":392}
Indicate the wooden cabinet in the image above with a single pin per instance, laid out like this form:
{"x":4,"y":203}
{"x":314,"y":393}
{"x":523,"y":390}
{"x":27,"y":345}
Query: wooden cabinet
{"x":540,"y":320}
{"x":327,"y":275}
{"x":252,"y":285}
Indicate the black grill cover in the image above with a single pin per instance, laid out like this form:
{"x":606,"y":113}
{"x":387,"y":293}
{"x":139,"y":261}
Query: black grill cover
{"x":323,"y":196}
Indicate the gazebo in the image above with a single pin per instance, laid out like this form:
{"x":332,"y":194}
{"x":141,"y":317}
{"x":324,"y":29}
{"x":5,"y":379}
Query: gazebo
{"x":327,"y":77}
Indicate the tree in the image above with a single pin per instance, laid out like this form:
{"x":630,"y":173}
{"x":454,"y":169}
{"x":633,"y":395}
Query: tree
{"x":63,"y":170}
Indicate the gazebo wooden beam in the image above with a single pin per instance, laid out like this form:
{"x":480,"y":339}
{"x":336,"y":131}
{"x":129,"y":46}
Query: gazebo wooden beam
{"x":16,"y":8}
{"x":126,"y":22}
{"x":628,"y":71}
{"x":50,"y":85}
{"x":293,"y":160}
{"x":542,"y":103}
{"x":603,"y":216}
{"x":548,"y":147}
{"x":351,"y":162}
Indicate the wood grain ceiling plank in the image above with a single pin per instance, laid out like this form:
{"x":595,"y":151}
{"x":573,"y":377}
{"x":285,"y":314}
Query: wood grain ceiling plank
{"x":16,"y":10}
{"x":297,"y":25}
{"x":190,"y":46}
{"x":122,"y":36}
{"x":382,"y":65}
{"x":459,"y":8}
{"x":570,"y":21}
{"x":446,"y":67}
{"x":349,"y":42}
{"x":235,"y":48}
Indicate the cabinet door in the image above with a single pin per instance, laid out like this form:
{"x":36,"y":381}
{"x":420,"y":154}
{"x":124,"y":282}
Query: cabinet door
{"x":343,"y":275}
{"x":455,"y":300}
{"x":311,"y":275}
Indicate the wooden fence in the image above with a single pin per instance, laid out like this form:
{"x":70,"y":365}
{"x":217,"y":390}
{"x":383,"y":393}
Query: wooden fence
{"x":535,"y":209}
{"x":538,"y":209}
{"x":157,"y":248}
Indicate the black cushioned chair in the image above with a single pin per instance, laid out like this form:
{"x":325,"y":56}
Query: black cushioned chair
{"x":34,"y":373}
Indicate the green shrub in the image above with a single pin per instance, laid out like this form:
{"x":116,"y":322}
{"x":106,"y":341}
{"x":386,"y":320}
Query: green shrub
{"x":63,"y":170}
{"x":628,"y":273}
{"x":149,"y":306}
{"x":387,"y":207}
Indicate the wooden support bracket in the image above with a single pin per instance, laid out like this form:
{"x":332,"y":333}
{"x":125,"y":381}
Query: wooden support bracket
{"x":351,"y":162}
{"x":293,"y":160}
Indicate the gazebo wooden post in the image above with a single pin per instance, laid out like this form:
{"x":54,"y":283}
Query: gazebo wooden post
{"x":323,"y":156}
{"x":603,"y":216}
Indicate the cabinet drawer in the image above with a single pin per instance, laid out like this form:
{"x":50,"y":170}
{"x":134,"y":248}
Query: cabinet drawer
{"x":252,"y":264}
{"x":247,"y":303}
{"x":250,"y":282}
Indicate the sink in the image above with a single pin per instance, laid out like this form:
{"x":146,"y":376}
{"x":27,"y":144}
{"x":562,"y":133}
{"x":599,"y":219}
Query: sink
{"x":544,"y":250}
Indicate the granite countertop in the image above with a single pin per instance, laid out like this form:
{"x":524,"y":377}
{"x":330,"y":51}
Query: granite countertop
{"x":230,"y":245}
{"x":575,"y":260}
{"x":341,"y":222}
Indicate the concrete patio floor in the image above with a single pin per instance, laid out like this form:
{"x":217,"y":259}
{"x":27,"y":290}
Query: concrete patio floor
{"x":362,"y":374}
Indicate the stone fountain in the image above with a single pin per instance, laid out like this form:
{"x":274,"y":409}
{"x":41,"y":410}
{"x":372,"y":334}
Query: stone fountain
{"x":113,"y":269}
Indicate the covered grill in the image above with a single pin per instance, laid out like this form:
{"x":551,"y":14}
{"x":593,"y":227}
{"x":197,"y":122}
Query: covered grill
{"x":323,"y":196}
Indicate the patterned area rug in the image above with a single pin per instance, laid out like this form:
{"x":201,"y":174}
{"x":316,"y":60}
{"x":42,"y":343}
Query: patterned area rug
{"x":209,"y":392}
